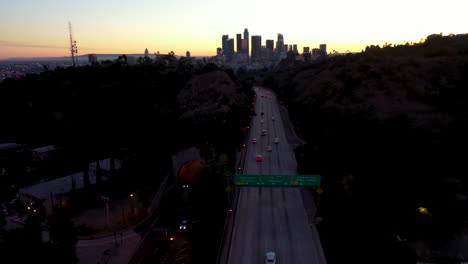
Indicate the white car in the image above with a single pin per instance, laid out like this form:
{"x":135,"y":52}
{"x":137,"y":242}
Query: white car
{"x":276,"y":140}
{"x":269,"y":149}
{"x":264,"y":132}
{"x":270,"y":257}
{"x":254,"y":141}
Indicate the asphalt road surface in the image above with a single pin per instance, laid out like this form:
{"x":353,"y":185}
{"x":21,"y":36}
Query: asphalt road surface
{"x":271,"y":218}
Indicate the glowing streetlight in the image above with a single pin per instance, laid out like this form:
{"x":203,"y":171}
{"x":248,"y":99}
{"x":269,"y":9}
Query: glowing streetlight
{"x":423,"y":211}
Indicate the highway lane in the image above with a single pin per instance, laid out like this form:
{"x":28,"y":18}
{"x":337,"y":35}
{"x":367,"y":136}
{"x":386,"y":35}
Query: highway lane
{"x":271,"y":218}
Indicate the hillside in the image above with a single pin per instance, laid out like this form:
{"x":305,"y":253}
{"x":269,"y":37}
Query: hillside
{"x":386,"y":128}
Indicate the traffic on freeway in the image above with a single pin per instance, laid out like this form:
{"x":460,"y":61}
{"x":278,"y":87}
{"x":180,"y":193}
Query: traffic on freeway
{"x":271,"y":224}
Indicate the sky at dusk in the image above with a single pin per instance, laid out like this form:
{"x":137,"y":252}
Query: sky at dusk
{"x":37,"y":28}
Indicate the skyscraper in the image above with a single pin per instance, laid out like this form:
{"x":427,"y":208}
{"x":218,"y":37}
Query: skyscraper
{"x":269,"y":48}
{"x":305,"y":50}
{"x":187,"y":54}
{"x":295,"y":48}
{"x":280,"y":43}
{"x":246,"y":37}
{"x":323,"y":48}
{"x":146,"y":52}
{"x":239,"y":43}
{"x":270,"y":44}
{"x":256,"y":48}
{"x":224,"y":41}
{"x":229,"y":52}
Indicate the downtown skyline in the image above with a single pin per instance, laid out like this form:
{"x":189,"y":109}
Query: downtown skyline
{"x":40,"y":28}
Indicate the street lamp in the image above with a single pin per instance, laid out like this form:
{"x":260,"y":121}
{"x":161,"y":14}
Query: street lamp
{"x":132,"y":205}
{"x":106,"y":199}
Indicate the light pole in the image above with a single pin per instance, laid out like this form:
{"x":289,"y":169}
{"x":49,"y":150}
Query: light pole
{"x":132,"y":204}
{"x":106,"y":199}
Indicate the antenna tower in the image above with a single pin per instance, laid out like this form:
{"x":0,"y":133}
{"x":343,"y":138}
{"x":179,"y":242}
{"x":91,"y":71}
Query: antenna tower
{"x":73,"y":47}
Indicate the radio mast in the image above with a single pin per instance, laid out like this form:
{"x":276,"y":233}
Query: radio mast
{"x":73,"y":47}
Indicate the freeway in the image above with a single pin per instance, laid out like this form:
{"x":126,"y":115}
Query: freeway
{"x":271,"y":218}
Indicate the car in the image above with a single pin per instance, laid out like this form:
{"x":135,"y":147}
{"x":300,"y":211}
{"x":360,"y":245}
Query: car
{"x":270,"y":257}
{"x":183,"y":225}
{"x":259,"y":158}
{"x":276,"y":140}
{"x":264,"y":132}
{"x":272,"y":118}
{"x":254,"y":141}
{"x":269,"y":149}
{"x":262,"y":121}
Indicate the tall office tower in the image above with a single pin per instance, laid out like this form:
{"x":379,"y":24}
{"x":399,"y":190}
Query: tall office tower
{"x":290,"y":48}
{"x":244,"y":46}
{"x":187,"y":54}
{"x":280,"y":43}
{"x":224,"y":41}
{"x":256,"y":48}
{"x":306,"y":50}
{"x":229,"y":52}
{"x":269,"y":48}
{"x":239,"y":43}
{"x":295,"y":48}
{"x":285,"y":47}
{"x":270,"y":44}
{"x":246,"y":37}
{"x":323,"y":48}
{"x":219,"y":52}
{"x":146,"y":52}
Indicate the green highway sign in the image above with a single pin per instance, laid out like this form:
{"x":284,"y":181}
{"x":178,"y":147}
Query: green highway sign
{"x":276,"y":180}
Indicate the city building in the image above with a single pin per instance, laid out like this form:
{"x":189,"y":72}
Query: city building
{"x":92,"y":58}
{"x":269,"y":50}
{"x":239,"y":43}
{"x":270,"y":45}
{"x":219,"y":52}
{"x":57,"y":191}
{"x":323,"y":48}
{"x":295,"y":48}
{"x":306,"y":50}
{"x":256,"y":48}
{"x":290,"y":48}
{"x":229,"y":52}
{"x":146,"y":52}
{"x":187,"y":54}
{"x":315,"y":52}
{"x":244,"y":46}
{"x":280,"y":43}
{"x":224,"y":41}
{"x":246,"y":37}
{"x":43,"y":153}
